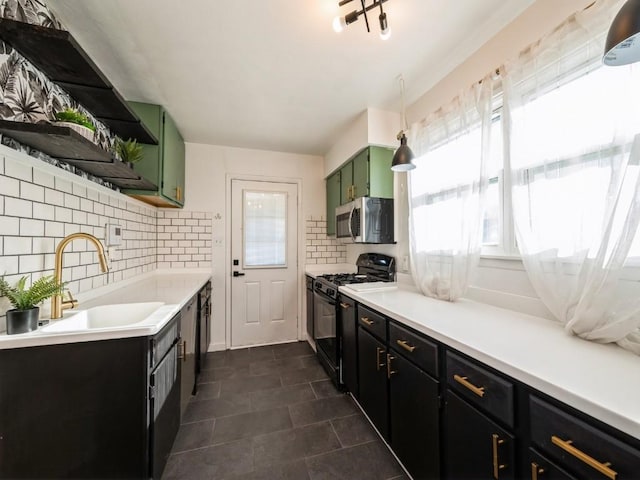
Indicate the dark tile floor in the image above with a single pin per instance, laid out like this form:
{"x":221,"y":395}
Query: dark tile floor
{"x":271,"y":413}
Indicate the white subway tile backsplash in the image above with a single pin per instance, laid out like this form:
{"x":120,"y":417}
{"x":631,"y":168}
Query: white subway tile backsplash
{"x":17,"y":207}
{"x":43,"y":211}
{"x":9,"y":186}
{"x":63,"y":185}
{"x":31,"y":191}
{"x":54,"y":229}
{"x":17,"y":245}
{"x":16,"y":169}
{"x":31,"y":228}
{"x":321,"y":249}
{"x":71,"y":201}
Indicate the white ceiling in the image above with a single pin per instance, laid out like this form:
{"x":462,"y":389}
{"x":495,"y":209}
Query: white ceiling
{"x":272,"y":74}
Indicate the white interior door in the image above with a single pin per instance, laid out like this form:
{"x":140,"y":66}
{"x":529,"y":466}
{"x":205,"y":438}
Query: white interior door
{"x":264,"y":251}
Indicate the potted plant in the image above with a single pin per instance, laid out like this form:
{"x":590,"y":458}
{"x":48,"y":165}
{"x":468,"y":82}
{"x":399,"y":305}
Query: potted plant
{"x":24,"y":316}
{"x":76,"y":121}
{"x":130,"y":152}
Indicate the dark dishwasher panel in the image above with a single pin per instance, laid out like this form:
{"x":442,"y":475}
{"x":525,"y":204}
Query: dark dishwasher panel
{"x":164,"y":397}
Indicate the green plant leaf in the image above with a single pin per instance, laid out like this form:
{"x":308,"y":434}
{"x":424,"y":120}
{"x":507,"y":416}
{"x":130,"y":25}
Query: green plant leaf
{"x":23,"y":298}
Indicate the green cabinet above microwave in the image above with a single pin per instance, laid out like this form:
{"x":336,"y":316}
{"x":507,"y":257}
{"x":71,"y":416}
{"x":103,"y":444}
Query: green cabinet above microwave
{"x":367,"y":174}
{"x":164,"y":163}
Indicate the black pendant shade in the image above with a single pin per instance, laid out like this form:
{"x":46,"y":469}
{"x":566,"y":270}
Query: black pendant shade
{"x":623,"y":43}
{"x":403,"y":158}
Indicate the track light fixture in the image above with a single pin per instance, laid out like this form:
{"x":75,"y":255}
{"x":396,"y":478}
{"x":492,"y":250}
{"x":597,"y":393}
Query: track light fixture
{"x":340,"y":22}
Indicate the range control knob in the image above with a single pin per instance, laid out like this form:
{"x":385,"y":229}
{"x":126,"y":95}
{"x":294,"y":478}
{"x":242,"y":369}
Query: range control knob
{"x":330,"y":292}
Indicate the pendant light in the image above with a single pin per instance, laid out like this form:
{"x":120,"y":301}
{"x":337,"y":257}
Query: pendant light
{"x":623,"y":42}
{"x":403,"y":158}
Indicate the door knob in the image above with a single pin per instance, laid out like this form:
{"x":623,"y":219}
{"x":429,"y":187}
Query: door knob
{"x":238,"y":274}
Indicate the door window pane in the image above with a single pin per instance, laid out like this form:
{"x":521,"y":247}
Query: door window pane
{"x":265,"y":229}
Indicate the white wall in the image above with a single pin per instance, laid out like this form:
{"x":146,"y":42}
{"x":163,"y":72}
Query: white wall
{"x":207,"y":169}
{"x":497,"y":281}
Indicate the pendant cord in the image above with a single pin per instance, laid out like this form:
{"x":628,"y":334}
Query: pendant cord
{"x":404,"y":113}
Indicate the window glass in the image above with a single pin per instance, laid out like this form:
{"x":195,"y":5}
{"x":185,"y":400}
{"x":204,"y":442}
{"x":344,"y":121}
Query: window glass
{"x":265,"y":228}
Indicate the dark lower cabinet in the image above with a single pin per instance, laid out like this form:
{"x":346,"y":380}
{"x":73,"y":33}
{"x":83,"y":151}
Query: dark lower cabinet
{"x":374,"y":394}
{"x":100,"y":409}
{"x":349,"y":336}
{"x":475,"y":447}
{"x":415,"y":418}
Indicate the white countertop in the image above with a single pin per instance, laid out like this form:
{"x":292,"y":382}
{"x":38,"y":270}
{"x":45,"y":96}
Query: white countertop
{"x":599,"y":380}
{"x":173,"y":289}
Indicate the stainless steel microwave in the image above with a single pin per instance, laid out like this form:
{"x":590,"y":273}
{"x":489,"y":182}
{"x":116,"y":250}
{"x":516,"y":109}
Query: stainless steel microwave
{"x":365,"y":220}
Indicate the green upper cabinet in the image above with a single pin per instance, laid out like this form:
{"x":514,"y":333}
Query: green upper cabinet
{"x":162,"y":163}
{"x":367,"y":174}
{"x":346,"y":182}
{"x":333,"y":200}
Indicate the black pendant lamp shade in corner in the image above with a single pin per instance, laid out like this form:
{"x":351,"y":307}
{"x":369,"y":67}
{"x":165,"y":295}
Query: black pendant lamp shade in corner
{"x":623,"y":42}
{"x":403,"y":158}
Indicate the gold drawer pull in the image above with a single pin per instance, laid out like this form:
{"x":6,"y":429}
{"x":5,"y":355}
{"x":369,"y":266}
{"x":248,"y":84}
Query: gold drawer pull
{"x":344,"y":305}
{"x":378,"y":352}
{"x":465,"y":383}
{"x":366,"y":320}
{"x":405,"y":345}
{"x":567,"y":446}
{"x":389,"y":370}
{"x":497,"y":466}
{"x":536,"y":470}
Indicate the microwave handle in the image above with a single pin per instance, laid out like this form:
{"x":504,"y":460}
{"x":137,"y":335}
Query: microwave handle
{"x":350,"y":229}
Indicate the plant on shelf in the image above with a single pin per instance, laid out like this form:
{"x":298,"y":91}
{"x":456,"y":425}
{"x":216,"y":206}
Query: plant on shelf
{"x":129,"y":151}
{"x":24,"y":316}
{"x":77,"y":121}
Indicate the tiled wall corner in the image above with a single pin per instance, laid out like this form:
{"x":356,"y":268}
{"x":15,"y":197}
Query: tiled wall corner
{"x":322,"y":249}
{"x":38,"y":208}
{"x":184,"y":239}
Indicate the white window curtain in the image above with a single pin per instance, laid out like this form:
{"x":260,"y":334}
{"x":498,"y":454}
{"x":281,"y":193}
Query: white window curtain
{"x":446,"y":193}
{"x":575,"y":175}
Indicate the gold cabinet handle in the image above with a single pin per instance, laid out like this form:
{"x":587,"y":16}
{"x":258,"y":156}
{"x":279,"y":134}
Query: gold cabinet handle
{"x":344,"y":305}
{"x":405,"y":345}
{"x":465,"y":383}
{"x":602,"y":467}
{"x":353,"y":192}
{"x":497,"y":466}
{"x":378,"y":352}
{"x":389,"y":370}
{"x":366,"y":321}
{"x":536,"y":470}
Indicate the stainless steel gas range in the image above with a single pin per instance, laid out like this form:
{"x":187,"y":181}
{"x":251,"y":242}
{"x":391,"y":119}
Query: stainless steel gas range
{"x":372,"y":267}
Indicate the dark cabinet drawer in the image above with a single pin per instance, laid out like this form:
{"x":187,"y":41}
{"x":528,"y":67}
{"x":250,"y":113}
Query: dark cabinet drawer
{"x":540,"y":468}
{"x":373,"y":322}
{"x":578,"y":447}
{"x":492,"y":393}
{"x":414,"y":347}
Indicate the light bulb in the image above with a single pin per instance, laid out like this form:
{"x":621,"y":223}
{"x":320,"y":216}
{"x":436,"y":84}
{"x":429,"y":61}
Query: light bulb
{"x":385,"y":31}
{"x":338,"y":24}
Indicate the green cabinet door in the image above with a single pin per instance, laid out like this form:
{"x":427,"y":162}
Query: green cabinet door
{"x":173,"y":162}
{"x":361,"y":174}
{"x":346,"y":182}
{"x":380,"y":173}
{"x":333,"y":200}
{"x":163,"y":164}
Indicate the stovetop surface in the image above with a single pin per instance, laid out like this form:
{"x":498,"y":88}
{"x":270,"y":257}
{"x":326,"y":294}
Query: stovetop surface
{"x":347,"y":278}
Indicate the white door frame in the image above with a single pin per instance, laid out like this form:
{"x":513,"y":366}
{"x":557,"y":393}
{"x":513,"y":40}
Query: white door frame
{"x":227,"y":254}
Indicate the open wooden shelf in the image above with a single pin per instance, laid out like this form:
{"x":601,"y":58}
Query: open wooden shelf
{"x":57,"y":54}
{"x":66,"y":144}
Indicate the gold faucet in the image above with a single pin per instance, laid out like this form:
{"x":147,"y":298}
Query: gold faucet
{"x":57,"y":303}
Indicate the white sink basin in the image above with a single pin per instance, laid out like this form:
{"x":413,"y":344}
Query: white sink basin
{"x":105,"y":316}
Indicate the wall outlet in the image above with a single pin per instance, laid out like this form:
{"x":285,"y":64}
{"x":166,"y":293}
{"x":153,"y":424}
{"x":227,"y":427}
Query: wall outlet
{"x":405,"y":263}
